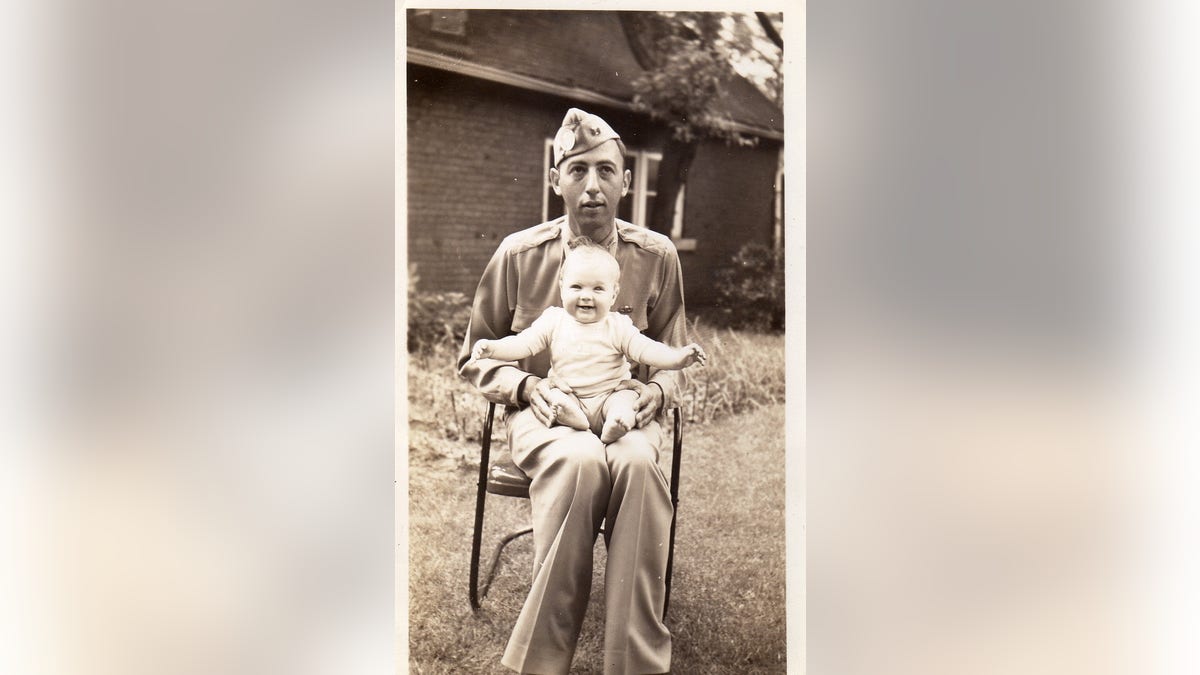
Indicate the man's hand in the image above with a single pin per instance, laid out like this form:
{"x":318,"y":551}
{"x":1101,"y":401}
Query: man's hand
{"x":538,"y":397}
{"x":650,"y":400}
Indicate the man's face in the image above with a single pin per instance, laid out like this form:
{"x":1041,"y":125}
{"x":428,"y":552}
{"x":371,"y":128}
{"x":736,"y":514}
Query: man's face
{"x":592,"y":184}
{"x":589,"y":286}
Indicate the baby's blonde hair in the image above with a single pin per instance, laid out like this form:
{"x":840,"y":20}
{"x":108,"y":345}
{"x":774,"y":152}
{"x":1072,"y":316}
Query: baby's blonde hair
{"x":584,"y":248}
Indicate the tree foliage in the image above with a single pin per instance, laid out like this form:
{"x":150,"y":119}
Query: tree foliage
{"x":688,"y":60}
{"x":687,"y":63}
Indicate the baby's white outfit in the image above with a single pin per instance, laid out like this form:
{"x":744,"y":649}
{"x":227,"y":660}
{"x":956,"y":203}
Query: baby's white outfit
{"x":589,"y":357}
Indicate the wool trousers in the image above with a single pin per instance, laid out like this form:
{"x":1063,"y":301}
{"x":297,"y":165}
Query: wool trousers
{"x":578,"y":483}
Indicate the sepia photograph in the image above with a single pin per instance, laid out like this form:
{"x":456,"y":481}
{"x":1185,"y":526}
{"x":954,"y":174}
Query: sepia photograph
{"x":356,"y":338}
{"x":596,"y":362}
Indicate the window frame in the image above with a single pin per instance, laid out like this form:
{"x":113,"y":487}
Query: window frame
{"x":638,"y":191}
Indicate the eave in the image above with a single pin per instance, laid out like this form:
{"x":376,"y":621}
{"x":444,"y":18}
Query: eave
{"x":430,"y":59}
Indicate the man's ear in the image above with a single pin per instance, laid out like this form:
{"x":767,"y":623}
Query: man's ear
{"x":625,"y":181}
{"x":554,"y":181}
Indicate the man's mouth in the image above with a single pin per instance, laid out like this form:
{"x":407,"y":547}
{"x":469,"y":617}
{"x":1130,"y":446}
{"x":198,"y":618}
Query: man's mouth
{"x":593,"y":205}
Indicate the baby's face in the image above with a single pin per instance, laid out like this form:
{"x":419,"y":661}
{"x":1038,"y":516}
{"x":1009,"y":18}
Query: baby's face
{"x":589,"y":287}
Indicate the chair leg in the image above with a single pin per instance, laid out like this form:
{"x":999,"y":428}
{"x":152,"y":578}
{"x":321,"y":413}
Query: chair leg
{"x":495,"y":561}
{"x":476,"y":542}
{"x":676,"y":453}
{"x":485,"y":449}
{"x":670,"y":563}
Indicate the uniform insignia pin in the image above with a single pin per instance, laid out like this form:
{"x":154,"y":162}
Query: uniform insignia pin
{"x":565,"y":139}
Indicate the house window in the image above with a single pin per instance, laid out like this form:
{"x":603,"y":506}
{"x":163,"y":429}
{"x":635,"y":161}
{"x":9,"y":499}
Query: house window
{"x":682,"y":243}
{"x":637,"y":205}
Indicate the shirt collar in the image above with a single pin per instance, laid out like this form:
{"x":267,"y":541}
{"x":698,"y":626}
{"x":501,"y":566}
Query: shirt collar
{"x":609,"y":243}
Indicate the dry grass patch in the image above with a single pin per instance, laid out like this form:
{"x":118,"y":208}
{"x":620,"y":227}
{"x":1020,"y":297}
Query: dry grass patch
{"x":727,"y":602}
{"x":745,"y":371}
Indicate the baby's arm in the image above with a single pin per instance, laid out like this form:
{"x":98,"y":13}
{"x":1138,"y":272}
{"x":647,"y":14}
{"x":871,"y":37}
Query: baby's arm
{"x":511,"y":348}
{"x":532,"y":340}
{"x":658,"y":355}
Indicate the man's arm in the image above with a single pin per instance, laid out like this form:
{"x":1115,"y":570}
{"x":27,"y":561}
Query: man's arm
{"x":665,"y":323}
{"x":491,"y":319}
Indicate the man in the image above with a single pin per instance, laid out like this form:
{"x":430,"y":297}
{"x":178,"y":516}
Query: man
{"x":578,"y":483}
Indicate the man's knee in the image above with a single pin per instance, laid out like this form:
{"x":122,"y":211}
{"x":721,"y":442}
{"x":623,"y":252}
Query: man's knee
{"x":635,"y":452}
{"x":580,"y":454}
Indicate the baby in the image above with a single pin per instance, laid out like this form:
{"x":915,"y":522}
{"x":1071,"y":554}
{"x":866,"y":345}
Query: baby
{"x":588,"y":347}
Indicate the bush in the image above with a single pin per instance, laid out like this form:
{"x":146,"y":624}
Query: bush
{"x":435,"y":318}
{"x":750,"y":291}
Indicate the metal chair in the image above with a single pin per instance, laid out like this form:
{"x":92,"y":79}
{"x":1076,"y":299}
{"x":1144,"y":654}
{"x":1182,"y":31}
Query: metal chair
{"x":504,"y":478}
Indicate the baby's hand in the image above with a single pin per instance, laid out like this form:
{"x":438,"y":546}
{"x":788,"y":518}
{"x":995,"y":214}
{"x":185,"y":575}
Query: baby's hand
{"x":482,"y":349}
{"x":695,"y":354}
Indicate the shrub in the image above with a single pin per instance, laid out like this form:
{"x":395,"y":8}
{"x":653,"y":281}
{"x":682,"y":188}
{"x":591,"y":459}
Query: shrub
{"x":750,"y":290}
{"x":435,"y":318}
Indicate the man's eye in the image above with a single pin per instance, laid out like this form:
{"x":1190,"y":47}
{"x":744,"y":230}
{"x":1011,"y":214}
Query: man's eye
{"x":607,"y":171}
{"x":576,"y":171}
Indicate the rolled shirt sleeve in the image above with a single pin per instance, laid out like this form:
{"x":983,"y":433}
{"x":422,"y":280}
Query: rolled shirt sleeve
{"x":491,"y":319}
{"x":665,"y":322}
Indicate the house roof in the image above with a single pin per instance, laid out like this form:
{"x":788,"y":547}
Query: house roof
{"x":584,"y":56}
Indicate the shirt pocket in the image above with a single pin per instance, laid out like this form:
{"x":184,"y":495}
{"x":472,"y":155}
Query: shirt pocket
{"x":636,"y":313}
{"x":523,"y":318}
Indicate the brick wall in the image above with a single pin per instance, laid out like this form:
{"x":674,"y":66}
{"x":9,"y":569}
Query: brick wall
{"x":474,"y":174}
{"x":729,"y":202}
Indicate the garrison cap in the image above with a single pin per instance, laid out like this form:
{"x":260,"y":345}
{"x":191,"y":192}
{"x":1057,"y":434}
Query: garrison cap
{"x":581,"y":131}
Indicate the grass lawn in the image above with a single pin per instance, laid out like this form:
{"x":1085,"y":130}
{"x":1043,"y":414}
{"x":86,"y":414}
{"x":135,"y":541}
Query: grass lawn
{"x":727,"y":610}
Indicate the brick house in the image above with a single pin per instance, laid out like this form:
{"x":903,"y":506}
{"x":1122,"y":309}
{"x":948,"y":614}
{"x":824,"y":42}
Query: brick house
{"x":487,"y":90}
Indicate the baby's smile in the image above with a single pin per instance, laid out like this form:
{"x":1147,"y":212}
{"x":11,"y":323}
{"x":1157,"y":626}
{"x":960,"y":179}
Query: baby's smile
{"x":589,"y":284}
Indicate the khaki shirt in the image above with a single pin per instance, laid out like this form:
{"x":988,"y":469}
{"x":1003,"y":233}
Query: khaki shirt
{"x":521,"y":280}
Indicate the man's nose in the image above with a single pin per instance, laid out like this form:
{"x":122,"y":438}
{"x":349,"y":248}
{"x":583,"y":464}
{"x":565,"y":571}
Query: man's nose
{"x":592,"y":183}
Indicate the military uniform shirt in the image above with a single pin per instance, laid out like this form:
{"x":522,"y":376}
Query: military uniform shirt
{"x":522,"y":279}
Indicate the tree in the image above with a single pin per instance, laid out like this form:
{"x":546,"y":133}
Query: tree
{"x":688,"y":59}
{"x":757,"y":48}
{"x":768,"y":26}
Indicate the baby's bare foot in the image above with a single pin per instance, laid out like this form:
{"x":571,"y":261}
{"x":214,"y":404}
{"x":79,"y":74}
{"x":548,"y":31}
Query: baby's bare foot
{"x":614,"y":429}
{"x":570,"y":415}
